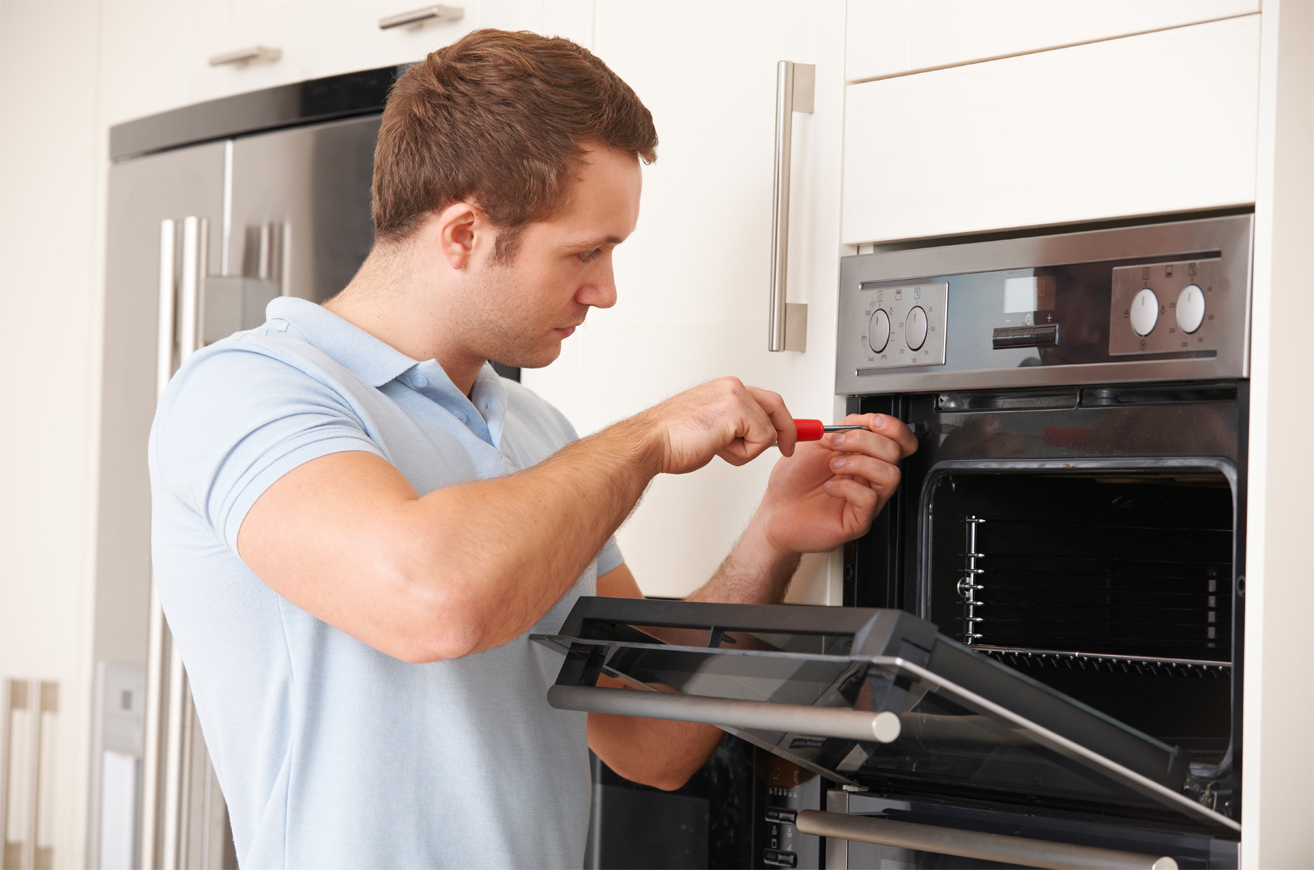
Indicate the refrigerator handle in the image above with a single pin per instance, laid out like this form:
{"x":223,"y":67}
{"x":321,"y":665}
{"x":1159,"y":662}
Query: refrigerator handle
{"x":165,"y":753}
{"x":795,"y":87}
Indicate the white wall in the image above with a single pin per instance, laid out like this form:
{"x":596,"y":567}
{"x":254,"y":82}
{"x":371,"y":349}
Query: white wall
{"x":51,"y":184}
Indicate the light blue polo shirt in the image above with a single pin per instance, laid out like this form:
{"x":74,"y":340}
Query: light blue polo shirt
{"x":331,"y":753}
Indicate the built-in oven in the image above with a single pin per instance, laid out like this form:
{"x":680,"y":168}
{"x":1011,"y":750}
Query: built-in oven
{"x":1040,"y":663}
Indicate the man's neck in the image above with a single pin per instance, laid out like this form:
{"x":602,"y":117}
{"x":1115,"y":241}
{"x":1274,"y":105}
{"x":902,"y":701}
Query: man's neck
{"x":393,"y":299}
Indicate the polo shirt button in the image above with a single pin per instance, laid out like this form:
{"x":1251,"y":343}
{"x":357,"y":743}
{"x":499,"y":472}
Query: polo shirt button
{"x":420,"y":381}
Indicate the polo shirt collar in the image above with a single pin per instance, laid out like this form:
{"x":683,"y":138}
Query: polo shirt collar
{"x":377,"y":363}
{"x":374,"y":361}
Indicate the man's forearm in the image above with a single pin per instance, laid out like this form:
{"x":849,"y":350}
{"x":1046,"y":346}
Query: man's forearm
{"x":753,"y":573}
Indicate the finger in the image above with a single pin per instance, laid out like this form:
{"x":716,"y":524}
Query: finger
{"x":778,"y":414}
{"x":861,"y":496}
{"x":876,"y":472}
{"x":757,"y":431}
{"x":864,"y":442}
{"x":896,"y":430}
{"x":900,"y":442}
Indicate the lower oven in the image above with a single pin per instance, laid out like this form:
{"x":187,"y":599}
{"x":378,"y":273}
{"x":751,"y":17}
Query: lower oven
{"x":1040,"y":661}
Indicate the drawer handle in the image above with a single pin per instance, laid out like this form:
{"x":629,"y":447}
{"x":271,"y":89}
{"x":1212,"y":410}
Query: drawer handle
{"x":973,"y":844}
{"x":246,"y":55}
{"x":795,"y":90}
{"x":839,"y":722}
{"x":428,"y":13}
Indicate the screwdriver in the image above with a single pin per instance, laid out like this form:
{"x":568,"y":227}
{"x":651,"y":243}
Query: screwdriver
{"x":812,"y":430}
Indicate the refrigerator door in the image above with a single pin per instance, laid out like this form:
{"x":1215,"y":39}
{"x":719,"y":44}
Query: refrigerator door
{"x":870,"y":698}
{"x":165,"y":218}
{"x":301,"y":207}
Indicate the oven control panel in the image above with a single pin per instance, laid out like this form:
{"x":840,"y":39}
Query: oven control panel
{"x":1167,"y":308}
{"x":904,"y":326}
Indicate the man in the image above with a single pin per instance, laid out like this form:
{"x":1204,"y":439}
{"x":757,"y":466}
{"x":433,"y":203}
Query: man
{"x":357,"y":523}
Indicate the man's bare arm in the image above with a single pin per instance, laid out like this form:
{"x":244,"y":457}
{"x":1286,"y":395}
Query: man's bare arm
{"x":466,"y":568}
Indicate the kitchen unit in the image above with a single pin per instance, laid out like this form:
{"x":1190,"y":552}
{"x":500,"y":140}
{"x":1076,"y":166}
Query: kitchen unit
{"x":1040,"y":144}
{"x":702,"y":299}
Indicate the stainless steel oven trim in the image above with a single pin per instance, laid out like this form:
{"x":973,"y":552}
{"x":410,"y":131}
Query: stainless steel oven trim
{"x":993,"y":466}
{"x":981,"y":845}
{"x":1232,"y":237}
{"x":1044,"y":736}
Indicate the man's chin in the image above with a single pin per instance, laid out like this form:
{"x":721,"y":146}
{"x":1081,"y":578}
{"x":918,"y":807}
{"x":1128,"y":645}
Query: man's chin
{"x":535,"y":359}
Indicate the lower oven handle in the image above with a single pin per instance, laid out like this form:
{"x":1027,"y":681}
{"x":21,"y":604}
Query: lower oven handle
{"x":848,"y":724}
{"x":973,"y":844}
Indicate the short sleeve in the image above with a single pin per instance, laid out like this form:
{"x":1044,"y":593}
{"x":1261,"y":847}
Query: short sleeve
{"x":610,"y":558}
{"x":234,"y":421}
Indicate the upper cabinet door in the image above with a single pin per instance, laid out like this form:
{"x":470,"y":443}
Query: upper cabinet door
{"x":891,"y":37}
{"x":1153,"y":124}
{"x":693,"y":280}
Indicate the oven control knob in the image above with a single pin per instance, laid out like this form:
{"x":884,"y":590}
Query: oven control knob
{"x":878,"y":331}
{"x":914,"y":331}
{"x":1144,"y":311}
{"x":1190,"y":308}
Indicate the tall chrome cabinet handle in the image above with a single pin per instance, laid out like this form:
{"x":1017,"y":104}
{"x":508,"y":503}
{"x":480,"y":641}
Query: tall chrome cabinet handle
{"x":795,"y":88}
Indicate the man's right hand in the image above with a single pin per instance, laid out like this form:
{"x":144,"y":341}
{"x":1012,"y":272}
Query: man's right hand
{"x":720,"y":418}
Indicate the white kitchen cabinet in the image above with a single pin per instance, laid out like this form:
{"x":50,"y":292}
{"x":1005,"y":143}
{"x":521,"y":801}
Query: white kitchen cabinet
{"x":892,"y":37}
{"x":157,"y":52}
{"x":693,"y":278}
{"x":1156,"y":123}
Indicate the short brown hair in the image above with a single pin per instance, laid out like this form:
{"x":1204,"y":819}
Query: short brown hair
{"x":501,"y":119}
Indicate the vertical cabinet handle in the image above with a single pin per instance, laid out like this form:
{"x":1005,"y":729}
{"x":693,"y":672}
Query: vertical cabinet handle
{"x":37,"y":698}
{"x":795,"y":87}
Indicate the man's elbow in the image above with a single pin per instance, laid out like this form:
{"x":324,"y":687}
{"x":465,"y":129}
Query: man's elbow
{"x":438,"y":627}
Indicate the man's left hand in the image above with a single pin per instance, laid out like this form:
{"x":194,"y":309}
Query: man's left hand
{"x":829,"y":491}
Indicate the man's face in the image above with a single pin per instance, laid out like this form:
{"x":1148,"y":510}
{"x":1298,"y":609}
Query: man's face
{"x":524,"y":309}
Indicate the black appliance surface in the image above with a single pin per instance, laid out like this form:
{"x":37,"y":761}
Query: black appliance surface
{"x":308,"y":102}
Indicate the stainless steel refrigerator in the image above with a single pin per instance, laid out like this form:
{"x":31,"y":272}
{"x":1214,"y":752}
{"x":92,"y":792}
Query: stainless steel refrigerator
{"x":214,"y":209}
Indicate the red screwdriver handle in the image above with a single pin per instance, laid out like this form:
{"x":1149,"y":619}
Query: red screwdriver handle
{"x":810,"y":430}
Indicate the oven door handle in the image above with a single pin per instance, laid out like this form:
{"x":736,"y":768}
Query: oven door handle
{"x":839,"y":722}
{"x":977,"y":845}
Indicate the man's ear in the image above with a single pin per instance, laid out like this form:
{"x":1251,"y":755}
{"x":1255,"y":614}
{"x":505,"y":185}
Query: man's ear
{"x":461,"y":230}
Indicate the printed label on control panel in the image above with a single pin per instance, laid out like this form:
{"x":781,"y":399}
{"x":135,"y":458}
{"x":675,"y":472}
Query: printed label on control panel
{"x":903,"y":326}
{"x":1163,"y":308}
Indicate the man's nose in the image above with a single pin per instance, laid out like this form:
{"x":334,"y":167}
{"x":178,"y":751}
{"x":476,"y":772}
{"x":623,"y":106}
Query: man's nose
{"x":600,"y":291}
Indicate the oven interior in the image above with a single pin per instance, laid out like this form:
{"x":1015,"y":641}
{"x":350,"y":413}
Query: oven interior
{"x":1114,"y":587}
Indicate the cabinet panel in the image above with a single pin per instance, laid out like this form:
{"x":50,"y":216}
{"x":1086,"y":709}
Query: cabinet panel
{"x":1156,"y":123}
{"x":692,"y":281}
{"x":889,"y":37}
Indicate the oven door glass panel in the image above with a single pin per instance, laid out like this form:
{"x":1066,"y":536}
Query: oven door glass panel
{"x":967,"y":723}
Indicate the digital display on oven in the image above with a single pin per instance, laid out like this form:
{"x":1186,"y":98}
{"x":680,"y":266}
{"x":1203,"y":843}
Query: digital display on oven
{"x":1034,"y":293}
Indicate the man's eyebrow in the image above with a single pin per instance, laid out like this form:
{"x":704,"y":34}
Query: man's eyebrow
{"x":592,"y":241}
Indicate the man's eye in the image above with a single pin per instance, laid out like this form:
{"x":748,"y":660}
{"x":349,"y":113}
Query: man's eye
{"x":590,"y":256}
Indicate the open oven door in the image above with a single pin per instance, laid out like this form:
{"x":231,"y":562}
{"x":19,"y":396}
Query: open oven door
{"x":875,"y":699}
